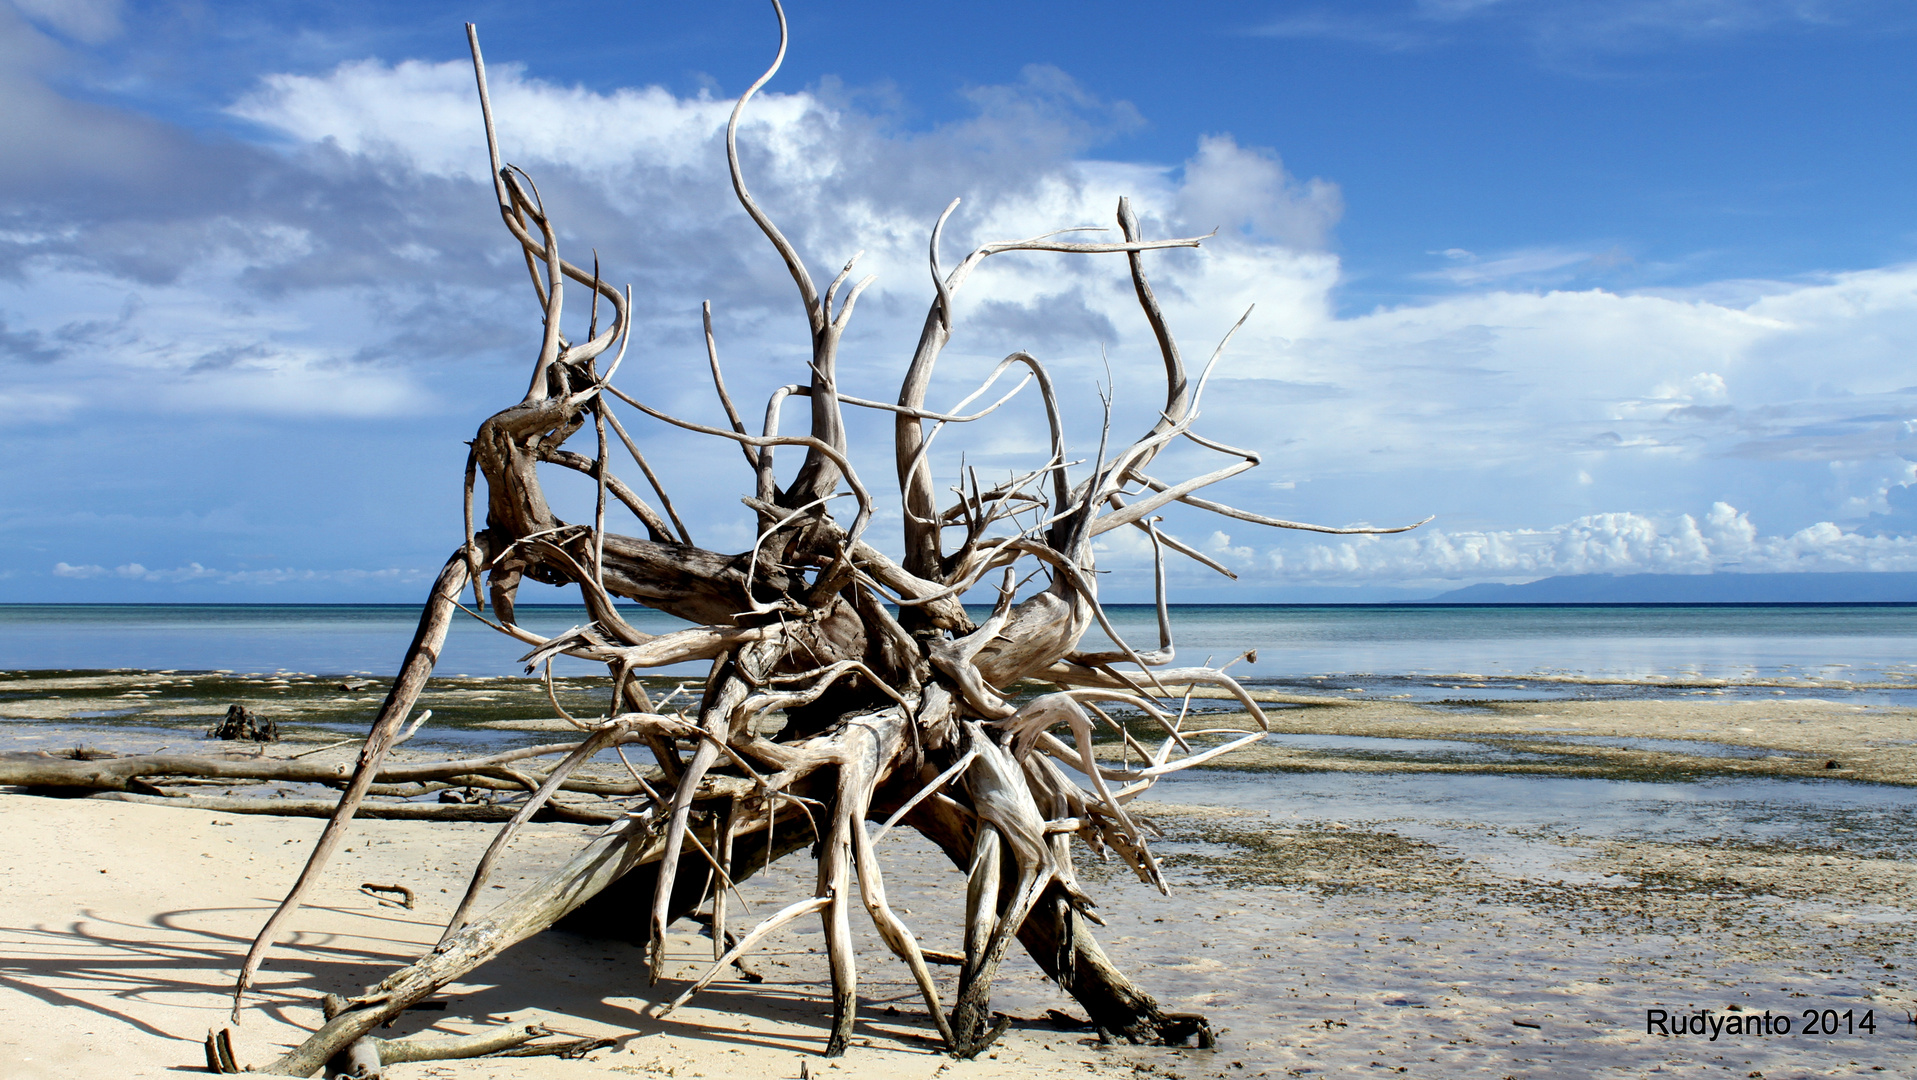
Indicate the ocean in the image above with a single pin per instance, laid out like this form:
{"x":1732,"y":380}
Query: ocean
{"x":1424,"y":652}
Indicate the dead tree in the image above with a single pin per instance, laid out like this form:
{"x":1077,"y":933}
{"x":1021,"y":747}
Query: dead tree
{"x":898,"y":704}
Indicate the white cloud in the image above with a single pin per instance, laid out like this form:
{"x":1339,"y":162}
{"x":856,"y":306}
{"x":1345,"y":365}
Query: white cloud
{"x":1241,"y":189}
{"x":1484,"y":386}
{"x":1725,"y":540}
{"x":1390,"y":35}
{"x":426,"y":115}
{"x":24,"y":407}
{"x":381,"y":251}
{"x":1572,"y":32}
{"x":357,"y":271}
{"x":1481,"y":379}
{"x":1219,"y":544}
{"x":1468,"y":269}
{"x":194,"y":572}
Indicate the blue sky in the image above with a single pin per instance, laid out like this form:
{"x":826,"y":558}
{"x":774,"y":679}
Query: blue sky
{"x":1618,"y":286}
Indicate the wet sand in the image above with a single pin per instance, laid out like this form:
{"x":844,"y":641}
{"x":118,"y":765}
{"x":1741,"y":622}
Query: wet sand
{"x":1332,"y":912}
{"x":1652,"y":739}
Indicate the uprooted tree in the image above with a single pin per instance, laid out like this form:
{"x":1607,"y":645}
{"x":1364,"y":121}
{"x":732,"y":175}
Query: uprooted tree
{"x":897,"y":703}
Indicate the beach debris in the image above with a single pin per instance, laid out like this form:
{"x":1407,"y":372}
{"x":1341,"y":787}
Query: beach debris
{"x":899,"y":705}
{"x":321,"y":749}
{"x":99,"y":770}
{"x":219,"y":1051}
{"x":378,"y":892}
{"x":1065,"y":1021}
{"x":367,"y":1057}
{"x":240,"y":723}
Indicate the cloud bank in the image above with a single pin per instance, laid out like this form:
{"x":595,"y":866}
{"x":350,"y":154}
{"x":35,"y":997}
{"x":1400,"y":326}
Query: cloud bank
{"x":194,"y":572}
{"x":1723,"y":540}
{"x":331,"y":297}
{"x":1575,"y":35}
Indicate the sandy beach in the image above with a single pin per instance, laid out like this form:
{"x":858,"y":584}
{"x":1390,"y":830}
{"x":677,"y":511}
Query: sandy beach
{"x":1323,"y":927}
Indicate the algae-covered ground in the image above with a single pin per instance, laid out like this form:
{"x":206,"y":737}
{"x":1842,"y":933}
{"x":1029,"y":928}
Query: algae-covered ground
{"x":1831,"y":736}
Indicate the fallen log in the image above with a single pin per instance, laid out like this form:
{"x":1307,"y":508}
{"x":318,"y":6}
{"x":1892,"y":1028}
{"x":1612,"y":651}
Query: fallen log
{"x":38,"y":769}
{"x":376,"y":811}
{"x":367,"y":1057}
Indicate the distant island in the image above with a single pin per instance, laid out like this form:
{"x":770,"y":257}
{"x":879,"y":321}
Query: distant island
{"x":1727,"y":588}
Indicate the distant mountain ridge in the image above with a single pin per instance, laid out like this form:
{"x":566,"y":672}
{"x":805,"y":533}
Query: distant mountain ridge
{"x":1727,"y":588}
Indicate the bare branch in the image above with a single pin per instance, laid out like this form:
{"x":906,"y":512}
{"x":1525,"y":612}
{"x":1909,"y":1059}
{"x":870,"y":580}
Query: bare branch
{"x":655,"y":525}
{"x":1276,"y":523}
{"x":433,"y":623}
{"x":719,"y":384}
{"x":807,"y":291}
{"x":685,"y":536}
{"x":836,"y":456}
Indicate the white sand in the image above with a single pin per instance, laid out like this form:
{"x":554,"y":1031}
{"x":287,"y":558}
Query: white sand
{"x":123,"y":925}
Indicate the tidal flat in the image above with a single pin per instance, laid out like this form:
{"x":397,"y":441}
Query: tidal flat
{"x":1485,"y":886}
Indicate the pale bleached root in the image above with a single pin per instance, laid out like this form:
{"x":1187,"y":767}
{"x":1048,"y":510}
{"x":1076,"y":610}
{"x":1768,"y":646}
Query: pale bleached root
{"x":1066,"y":673}
{"x":413,"y":673}
{"x":835,"y":883}
{"x":1045,"y":711}
{"x":619,"y":848}
{"x":1010,"y":822}
{"x":897,"y":936}
{"x":744,"y":948}
{"x":865,"y":750}
{"x":612,"y":733}
{"x":676,"y":828}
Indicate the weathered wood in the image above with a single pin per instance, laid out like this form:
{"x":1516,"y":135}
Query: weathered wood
{"x":628,"y":853}
{"x":238,"y":723}
{"x":366,"y":811}
{"x":43,"y":770}
{"x":421,"y":656}
{"x":539,"y":906}
{"x":401,"y":1051}
{"x":915,"y":715}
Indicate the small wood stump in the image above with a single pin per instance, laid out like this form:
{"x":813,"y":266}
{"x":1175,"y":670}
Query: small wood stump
{"x":241,"y":724}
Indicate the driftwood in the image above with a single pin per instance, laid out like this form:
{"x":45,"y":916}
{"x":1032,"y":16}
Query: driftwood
{"x":367,"y":1057}
{"x":238,"y":723}
{"x":898,"y":701}
{"x":113,"y":773}
{"x":383,"y":811}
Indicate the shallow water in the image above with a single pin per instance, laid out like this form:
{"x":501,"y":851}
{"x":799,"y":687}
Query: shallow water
{"x":1430,"y":653}
{"x":1670,"y":746}
{"x":1372,"y":747}
{"x":328,"y":639}
{"x":1763,"y":810}
{"x":434,"y":743}
{"x":1426,"y":652}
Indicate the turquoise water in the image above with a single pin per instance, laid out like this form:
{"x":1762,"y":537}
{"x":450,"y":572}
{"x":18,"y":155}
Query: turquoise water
{"x":1429,"y":652}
